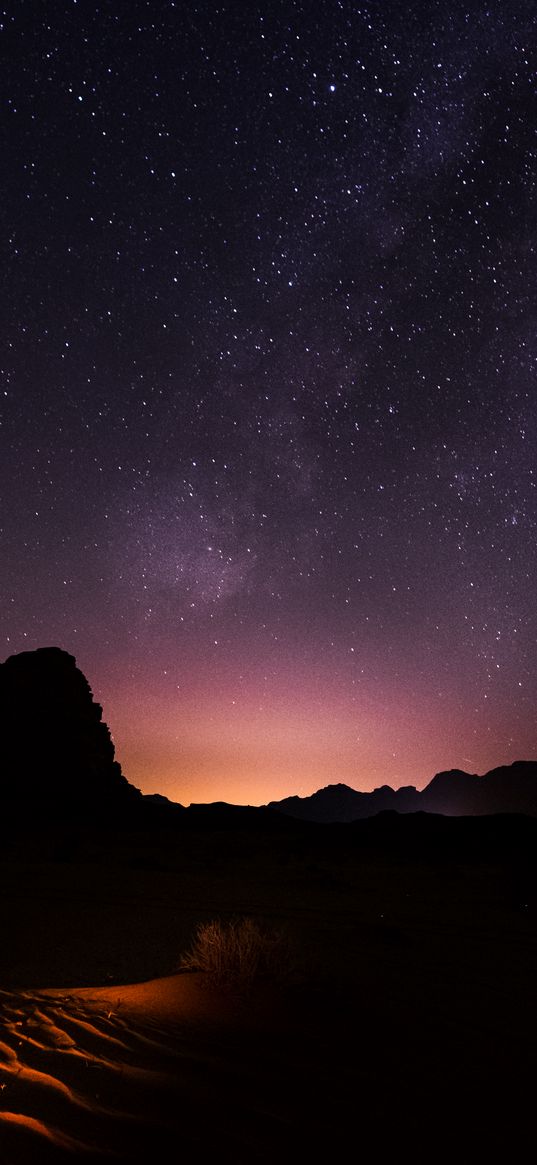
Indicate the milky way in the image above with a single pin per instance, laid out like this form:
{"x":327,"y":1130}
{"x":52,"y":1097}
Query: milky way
{"x":269,"y":415}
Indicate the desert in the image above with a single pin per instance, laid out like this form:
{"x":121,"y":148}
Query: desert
{"x":235,"y":981}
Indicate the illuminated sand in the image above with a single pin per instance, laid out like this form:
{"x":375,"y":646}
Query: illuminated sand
{"x":69,"y":1061}
{"x":124,"y":1072}
{"x":167,"y":1070}
{"x":102,"y":1069}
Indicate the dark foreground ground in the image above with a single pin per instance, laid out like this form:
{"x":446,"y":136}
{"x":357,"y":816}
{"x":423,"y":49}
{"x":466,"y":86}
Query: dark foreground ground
{"x":405,"y":1019}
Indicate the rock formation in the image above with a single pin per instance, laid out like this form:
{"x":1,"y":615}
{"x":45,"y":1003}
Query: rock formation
{"x":56,"y":753}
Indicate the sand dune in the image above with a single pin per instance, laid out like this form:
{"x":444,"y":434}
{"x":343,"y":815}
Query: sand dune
{"x":167,"y":1070}
{"x":93,"y":1070}
{"x":127,"y":1072}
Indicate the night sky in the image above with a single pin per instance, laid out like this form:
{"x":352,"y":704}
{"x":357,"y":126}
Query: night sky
{"x":268,"y":397}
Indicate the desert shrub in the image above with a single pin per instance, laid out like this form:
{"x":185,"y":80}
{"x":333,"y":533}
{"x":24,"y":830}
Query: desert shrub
{"x":237,"y":953}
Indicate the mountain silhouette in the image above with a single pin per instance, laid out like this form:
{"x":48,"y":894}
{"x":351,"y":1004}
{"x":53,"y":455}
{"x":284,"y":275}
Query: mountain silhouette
{"x":56,"y":754}
{"x":57,"y":759}
{"x":507,"y":789}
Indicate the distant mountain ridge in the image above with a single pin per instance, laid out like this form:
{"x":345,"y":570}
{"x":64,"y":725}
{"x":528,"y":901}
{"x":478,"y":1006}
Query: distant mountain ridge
{"x":455,"y":793}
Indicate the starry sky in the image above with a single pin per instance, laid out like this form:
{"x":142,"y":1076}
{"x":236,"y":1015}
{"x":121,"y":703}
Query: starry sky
{"x":268,"y":399}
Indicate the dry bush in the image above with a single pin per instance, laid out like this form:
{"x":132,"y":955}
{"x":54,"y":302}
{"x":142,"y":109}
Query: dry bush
{"x":237,"y":953}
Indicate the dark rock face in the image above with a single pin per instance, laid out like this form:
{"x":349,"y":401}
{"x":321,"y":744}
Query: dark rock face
{"x":56,"y":753}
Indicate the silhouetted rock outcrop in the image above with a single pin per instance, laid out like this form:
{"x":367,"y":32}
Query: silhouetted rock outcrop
{"x":507,"y":789}
{"x":56,"y":754}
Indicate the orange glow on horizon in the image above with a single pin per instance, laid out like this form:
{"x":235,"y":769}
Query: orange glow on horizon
{"x":216,"y":741}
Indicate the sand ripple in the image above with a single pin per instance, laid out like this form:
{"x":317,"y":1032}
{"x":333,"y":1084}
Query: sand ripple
{"x":133,"y":1074}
